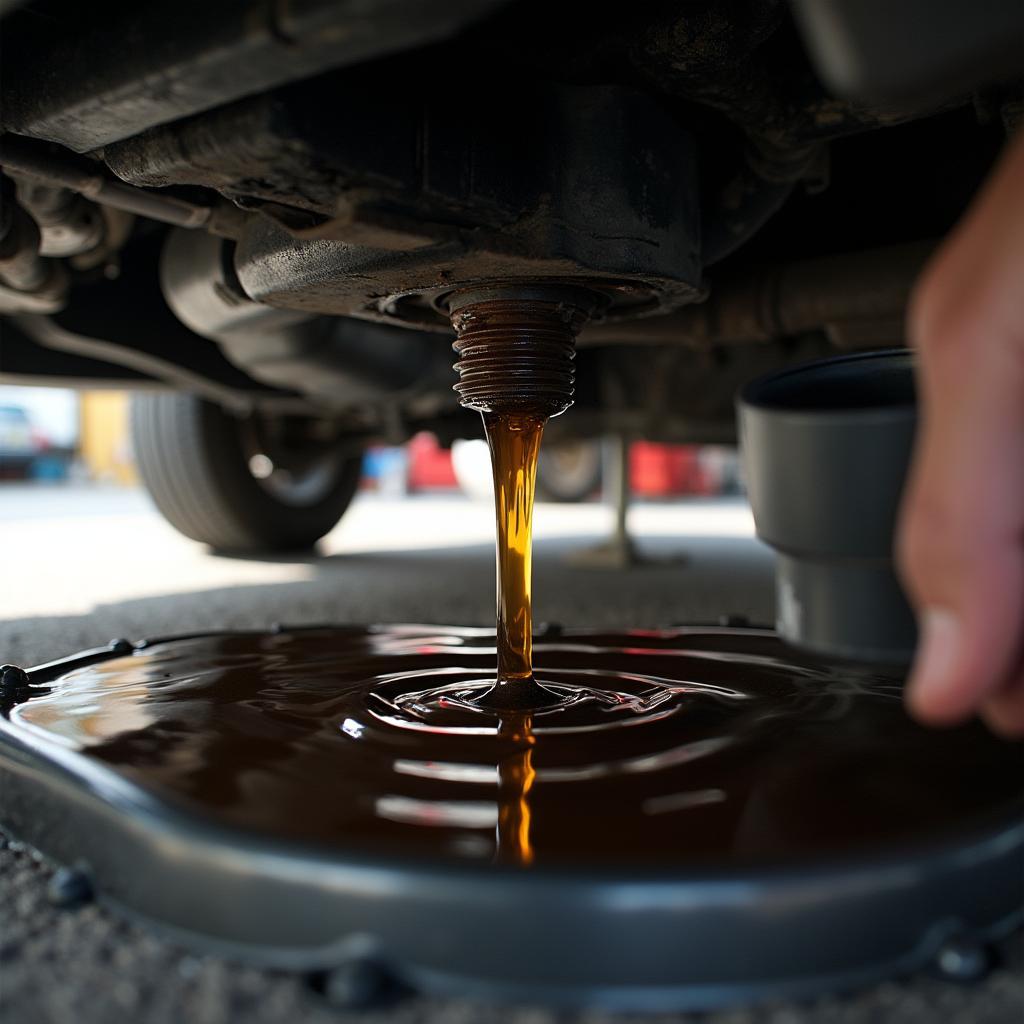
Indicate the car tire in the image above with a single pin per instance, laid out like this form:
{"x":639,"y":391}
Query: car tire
{"x":570,"y":471}
{"x":193,"y":460}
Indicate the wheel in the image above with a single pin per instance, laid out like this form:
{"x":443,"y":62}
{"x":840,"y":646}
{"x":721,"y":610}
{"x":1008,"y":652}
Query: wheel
{"x":570,"y":471}
{"x":254,"y":484}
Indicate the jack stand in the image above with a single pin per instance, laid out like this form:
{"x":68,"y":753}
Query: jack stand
{"x":618,"y":551}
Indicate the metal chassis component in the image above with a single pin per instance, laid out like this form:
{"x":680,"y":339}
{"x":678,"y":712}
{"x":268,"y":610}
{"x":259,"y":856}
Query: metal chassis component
{"x":232,"y":48}
{"x":587,"y":185}
{"x":47,"y":165}
{"x":858,"y":298}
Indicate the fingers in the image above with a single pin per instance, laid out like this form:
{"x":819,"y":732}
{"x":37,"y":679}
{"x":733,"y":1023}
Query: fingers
{"x":960,"y":549}
{"x":960,"y":544}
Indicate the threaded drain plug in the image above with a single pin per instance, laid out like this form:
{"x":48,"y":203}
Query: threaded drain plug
{"x":516,"y":346}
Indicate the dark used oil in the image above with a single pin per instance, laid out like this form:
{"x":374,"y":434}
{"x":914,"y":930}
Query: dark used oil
{"x":668,"y":749}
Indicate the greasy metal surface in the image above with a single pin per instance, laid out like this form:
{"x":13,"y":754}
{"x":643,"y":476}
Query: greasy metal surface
{"x":856,"y":298}
{"x":60,"y":83}
{"x":373,"y":373}
{"x":579,"y":184}
{"x":52,"y":166}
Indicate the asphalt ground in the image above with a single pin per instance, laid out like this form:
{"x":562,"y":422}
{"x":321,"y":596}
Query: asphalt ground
{"x":79,"y":567}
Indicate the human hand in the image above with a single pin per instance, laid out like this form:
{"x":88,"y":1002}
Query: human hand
{"x":960,"y":543}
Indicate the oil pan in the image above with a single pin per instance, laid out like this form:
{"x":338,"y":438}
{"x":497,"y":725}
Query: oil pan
{"x":152,"y":768}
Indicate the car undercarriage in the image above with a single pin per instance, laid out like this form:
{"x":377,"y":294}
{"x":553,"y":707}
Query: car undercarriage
{"x":269,"y":207}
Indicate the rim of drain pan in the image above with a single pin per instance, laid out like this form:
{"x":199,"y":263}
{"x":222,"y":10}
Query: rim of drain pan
{"x":645,"y":940}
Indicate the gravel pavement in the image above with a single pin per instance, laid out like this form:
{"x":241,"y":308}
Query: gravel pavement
{"x":81,"y":567}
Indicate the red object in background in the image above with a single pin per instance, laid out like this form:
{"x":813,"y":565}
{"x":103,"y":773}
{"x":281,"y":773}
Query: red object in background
{"x":655,"y":470}
{"x":430,"y":465}
{"x":660,"y":470}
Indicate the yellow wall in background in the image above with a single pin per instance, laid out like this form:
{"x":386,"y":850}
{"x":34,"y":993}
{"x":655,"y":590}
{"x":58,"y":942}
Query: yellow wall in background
{"x":103,"y":437}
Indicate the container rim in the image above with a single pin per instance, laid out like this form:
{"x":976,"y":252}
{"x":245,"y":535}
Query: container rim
{"x":752,"y":398}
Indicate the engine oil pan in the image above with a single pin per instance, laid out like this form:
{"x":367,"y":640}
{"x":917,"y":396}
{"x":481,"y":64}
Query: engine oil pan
{"x":706,"y":818}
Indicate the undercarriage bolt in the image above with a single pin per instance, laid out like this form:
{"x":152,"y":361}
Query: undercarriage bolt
{"x":69,"y":888}
{"x":963,"y":959}
{"x":357,"y":984}
{"x":516,"y":346}
{"x":13,"y":678}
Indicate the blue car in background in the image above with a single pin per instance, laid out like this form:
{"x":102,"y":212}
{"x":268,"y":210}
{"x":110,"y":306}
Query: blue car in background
{"x":19,"y":445}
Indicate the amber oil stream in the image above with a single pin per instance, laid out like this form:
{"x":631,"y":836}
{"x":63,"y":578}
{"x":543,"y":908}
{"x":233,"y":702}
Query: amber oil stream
{"x":514,"y":440}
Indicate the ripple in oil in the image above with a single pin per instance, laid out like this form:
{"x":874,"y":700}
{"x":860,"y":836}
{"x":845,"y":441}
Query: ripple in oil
{"x":677,"y":748}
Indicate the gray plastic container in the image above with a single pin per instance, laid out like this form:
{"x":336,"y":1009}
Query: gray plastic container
{"x":826,"y":448}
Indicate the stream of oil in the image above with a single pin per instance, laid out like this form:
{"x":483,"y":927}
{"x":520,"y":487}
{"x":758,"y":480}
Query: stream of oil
{"x":514,"y":440}
{"x":669,"y":749}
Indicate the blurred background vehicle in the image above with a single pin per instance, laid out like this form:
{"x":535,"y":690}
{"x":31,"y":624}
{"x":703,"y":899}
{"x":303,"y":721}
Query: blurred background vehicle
{"x":19,"y":443}
{"x":56,"y":434}
{"x":39,"y":431}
